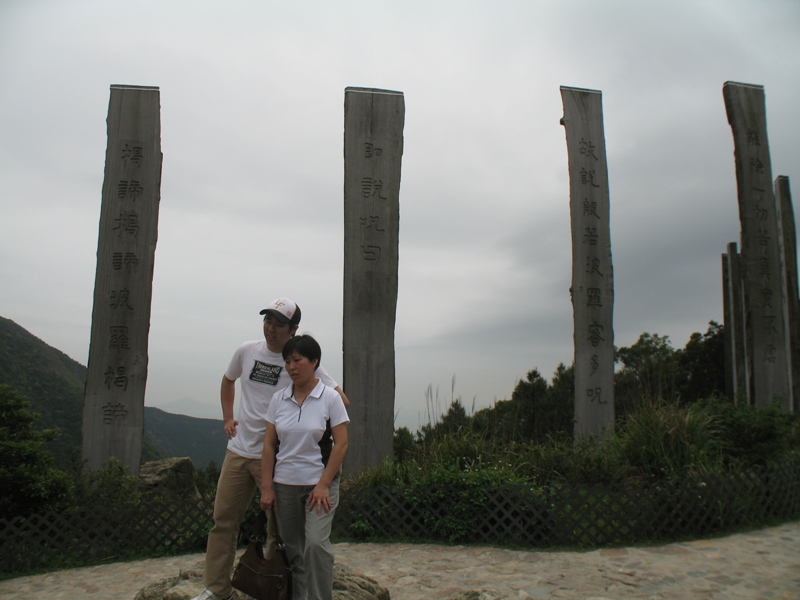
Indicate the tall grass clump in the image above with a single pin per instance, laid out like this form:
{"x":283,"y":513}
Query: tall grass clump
{"x":662,"y":440}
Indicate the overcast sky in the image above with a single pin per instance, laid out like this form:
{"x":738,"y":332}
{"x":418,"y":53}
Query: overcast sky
{"x":252,"y":117}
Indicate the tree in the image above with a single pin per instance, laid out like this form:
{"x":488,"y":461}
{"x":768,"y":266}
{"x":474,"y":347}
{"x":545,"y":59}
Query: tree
{"x":29,"y":481}
{"x":650,"y":372}
{"x":544,"y":411}
{"x":702,"y":365}
{"x":402,"y":445}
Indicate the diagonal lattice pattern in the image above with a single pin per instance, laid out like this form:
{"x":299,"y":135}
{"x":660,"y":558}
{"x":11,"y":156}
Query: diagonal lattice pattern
{"x":518,"y":515}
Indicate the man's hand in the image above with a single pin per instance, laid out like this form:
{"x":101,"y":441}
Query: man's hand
{"x":230,"y":427}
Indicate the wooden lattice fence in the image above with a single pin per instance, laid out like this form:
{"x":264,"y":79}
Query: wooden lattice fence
{"x":517,"y":515}
{"x":99,"y":534}
{"x":575,"y":516}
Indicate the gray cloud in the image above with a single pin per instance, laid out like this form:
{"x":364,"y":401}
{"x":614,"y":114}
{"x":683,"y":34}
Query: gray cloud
{"x":252,"y":124}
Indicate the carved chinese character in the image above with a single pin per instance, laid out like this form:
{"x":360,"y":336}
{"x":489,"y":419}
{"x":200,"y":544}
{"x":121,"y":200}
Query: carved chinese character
{"x":763,"y":267}
{"x":771,"y":355}
{"x":590,"y":209}
{"x":133,"y":154}
{"x":587,"y":149}
{"x":112,"y":412}
{"x":595,"y":363}
{"x":119,"y":338}
{"x":766,"y":297}
{"x":127,"y":222}
{"x":372,"y":223}
{"x":595,"y":395}
{"x":129,"y":189}
{"x":753,"y":137}
{"x":128,"y":260}
{"x":372,"y":187}
{"x":593,"y":266}
{"x":119,"y":298}
{"x":762,"y":211}
{"x":595,"y":334}
{"x":118,"y":379}
{"x":594,"y":298}
{"x":371,"y":252}
{"x":588,"y":177}
{"x":769,"y":325}
{"x":370,"y":150}
{"x":756,"y":166}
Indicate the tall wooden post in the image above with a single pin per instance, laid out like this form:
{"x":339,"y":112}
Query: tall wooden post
{"x":763,"y":271}
{"x":373,"y":151}
{"x":727,"y":319}
{"x":783,"y":199}
{"x":737,"y":365}
{"x":113,"y":410}
{"x":592,"y":270}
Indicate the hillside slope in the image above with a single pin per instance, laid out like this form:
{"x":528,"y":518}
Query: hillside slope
{"x":53,"y":383}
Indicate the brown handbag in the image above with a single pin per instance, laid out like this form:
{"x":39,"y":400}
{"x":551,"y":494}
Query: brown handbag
{"x":261,"y":578}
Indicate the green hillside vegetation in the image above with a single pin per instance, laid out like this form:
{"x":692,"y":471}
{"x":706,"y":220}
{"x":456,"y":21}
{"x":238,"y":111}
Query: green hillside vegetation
{"x":53,"y":384}
{"x":672,"y":420}
{"x":203,"y":440}
{"x":50,"y":380}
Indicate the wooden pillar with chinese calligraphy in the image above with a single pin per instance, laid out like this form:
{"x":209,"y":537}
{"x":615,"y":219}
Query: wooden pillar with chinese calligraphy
{"x":736,"y":364}
{"x":762,"y":264}
{"x":373,"y":151}
{"x":592,"y":288}
{"x":113,"y":409}
{"x":727,"y":319}
{"x":783,"y":199}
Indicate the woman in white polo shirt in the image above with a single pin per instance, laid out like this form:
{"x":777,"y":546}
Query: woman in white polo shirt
{"x":304,"y":446}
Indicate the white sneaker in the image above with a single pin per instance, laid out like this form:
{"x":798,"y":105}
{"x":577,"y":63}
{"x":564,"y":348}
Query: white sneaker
{"x":209,"y":595}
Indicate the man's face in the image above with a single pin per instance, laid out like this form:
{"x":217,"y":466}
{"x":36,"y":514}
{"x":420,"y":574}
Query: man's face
{"x":277,"y":333}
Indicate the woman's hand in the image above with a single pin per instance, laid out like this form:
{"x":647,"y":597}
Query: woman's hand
{"x":320,"y":497}
{"x":268,"y":499}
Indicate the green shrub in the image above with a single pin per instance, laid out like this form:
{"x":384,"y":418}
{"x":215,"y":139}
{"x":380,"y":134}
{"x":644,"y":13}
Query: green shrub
{"x":29,"y":480}
{"x":112,"y":485}
{"x":662,"y":440}
{"x":755,"y":436}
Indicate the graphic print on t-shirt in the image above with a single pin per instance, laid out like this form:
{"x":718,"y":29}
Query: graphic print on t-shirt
{"x":265,"y":373}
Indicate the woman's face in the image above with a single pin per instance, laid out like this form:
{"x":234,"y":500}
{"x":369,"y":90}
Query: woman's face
{"x":300,"y":368}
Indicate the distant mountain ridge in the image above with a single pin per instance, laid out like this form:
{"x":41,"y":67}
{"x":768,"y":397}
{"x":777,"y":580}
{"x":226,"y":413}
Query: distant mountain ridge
{"x":54,"y":383}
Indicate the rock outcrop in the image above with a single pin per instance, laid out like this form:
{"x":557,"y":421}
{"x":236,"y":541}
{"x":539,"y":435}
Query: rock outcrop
{"x":170,"y":477}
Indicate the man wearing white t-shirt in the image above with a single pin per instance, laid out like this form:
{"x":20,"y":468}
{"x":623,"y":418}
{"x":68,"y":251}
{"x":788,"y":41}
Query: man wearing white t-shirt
{"x":260,"y":367}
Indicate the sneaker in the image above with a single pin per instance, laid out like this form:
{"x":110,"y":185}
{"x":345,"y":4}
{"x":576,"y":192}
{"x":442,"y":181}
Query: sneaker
{"x":209,"y":595}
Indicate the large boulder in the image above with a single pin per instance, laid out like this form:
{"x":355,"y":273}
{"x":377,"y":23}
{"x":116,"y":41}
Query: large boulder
{"x":188,"y":584}
{"x":171,"y":478}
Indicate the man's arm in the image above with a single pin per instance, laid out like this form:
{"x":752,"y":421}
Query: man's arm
{"x":344,"y":398}
{"x":320,"y":495}
{"x":227,"y":393}
{"x":268,"y":468}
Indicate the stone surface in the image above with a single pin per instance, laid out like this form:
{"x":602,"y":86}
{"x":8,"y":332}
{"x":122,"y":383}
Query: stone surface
{"x":762,"y":563}
{"x":480,"y":595}
{"x":347,"y":585}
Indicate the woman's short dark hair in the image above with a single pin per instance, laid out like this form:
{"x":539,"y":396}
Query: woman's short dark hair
{"x":304,"y":345}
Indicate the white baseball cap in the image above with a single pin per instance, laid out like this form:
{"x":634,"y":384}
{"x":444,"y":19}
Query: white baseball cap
{"x":285,"y":310}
